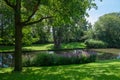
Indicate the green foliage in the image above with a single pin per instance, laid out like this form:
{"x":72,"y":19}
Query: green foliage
{"x":103,"y":70}
{"x":26,"y":61}
{"x":28,"y":37}
{"x":7,"y":23}
{"x":43,"y":32}
{"x":0,"y":40}
{"x":45,"y":59}
{"x":28,"y":13}
{"x":107,"y":29}
{"x":91,"y":43}
{"x":63,"y":12}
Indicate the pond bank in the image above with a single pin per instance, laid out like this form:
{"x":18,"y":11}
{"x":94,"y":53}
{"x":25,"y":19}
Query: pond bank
{"x":6,"y":58}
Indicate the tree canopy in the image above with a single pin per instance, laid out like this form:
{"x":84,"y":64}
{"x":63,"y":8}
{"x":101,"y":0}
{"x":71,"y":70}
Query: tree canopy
{"x":34,"y":11}
{"x":107,"y":29}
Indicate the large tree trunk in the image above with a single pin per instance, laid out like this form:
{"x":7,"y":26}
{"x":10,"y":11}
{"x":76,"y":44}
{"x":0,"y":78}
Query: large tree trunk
{"x":18,"y":48}
{"x":18,"y":37}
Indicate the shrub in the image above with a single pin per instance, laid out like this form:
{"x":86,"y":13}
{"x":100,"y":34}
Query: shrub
{"x":91,"y":43}
{"x":62,"y":60}
{"x":45,"y":59}
{"x":92,"y":58}
{"x":26,"y":60}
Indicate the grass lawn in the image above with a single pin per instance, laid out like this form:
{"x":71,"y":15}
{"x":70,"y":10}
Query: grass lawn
{"x":44,"y":47}
{"x":107,"y":70}
{"x":108,"y":50}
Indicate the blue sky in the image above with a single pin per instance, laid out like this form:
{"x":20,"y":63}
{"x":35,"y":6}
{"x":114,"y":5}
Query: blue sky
{"x":104,"y":7}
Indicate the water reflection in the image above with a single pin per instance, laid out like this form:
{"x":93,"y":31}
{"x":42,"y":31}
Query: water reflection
{"x":6,"y":59}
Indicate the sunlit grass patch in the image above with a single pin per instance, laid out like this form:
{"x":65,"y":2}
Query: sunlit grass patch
{"x":103,"y":70}
{"x":43,"y":47}
{"x":73,"y":45}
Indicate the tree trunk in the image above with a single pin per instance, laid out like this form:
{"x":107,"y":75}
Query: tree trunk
{"x":56,"y":38}
{"x":18,"y":48}
{"x":18,"y":37}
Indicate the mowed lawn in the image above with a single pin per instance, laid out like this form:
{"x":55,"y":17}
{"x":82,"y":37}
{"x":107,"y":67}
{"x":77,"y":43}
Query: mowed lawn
{"x":72,"y":45}
{"x":104,"y":70}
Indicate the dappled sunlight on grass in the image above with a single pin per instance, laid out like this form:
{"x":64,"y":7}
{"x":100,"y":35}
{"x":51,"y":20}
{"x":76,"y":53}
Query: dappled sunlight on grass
{"x":39,"y":47}
{"x":108,"y":70}
{"x":5,"y":70}
{"x":73,"y":45}
{"x":34,"y":47}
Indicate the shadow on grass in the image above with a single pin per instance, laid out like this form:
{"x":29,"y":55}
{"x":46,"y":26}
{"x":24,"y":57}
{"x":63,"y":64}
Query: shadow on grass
{"x":6,"y":48}
{"x":92,"y":71}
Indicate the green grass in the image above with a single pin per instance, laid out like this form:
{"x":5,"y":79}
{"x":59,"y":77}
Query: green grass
{"x":108,"y":50}
{"x":39,"y":47}
{"x":43,"y":47}
{"x":73,"y":45}
{"x":6,"y":48}
{"x":107,"y":70}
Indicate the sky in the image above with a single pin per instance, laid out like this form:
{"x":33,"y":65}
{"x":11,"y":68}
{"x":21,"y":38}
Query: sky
{"x":104,"y":7}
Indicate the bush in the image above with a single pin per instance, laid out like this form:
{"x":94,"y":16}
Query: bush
{"x":26,"y":62}
{"x":92,"y":58}
{"x":45,"y":59}
{"x":91,"y":43}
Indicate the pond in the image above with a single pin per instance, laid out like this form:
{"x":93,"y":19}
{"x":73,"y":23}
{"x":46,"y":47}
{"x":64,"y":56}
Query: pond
{"x":6,"y":59}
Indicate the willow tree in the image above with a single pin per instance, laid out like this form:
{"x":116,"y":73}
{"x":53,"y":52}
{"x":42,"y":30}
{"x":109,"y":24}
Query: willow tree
{"x":34,"y":11}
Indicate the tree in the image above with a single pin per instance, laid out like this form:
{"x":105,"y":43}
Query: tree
{"x":107,"y":29}
{"x":70,"y":12}
{"x":42,"y":31}
{"x":6,"y":24}
{"x":34,"y":11}
{"x":19,"y":24}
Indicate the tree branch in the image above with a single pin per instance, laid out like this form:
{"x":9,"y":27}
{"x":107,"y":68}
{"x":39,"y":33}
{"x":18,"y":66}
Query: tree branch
{"x":9,"y":4}
{"x":33,"y":13}
{"x":30,"y":23}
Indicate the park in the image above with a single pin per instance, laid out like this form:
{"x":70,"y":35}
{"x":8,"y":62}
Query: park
{"x":57,"y":40}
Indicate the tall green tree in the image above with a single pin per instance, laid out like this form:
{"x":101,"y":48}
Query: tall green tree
{"x":68,"y":13}
{"x":34,"y":11}
{"x":20,"y":22}
{"x":107,"y":29}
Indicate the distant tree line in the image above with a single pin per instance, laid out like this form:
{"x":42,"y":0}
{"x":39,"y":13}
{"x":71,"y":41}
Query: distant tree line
{"x":107,"y":29}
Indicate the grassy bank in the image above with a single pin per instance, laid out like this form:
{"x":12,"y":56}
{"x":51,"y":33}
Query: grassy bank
{"x":44,"y":47}
{"x":64,"y":46}
{"x":108,"y":50}
{"x":107,"y":70}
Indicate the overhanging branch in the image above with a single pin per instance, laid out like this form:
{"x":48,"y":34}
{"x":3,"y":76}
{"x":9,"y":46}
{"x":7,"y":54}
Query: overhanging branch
{"x":40,"y":20}
{"x":9,"y":4}
{"x":33,"y":13}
